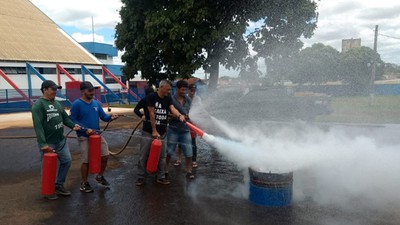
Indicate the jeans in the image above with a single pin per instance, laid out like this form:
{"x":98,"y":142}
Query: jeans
{"x":145,"y":144}
{"x":64,"y":156}
{"x":183,"y":139}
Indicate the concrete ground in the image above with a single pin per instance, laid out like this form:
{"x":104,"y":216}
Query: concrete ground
{"x":214,"y":197}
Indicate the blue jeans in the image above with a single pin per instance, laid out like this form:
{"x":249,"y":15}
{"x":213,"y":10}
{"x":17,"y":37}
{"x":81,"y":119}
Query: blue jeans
{"x":64,"y":156}
{"x":183,"y":139}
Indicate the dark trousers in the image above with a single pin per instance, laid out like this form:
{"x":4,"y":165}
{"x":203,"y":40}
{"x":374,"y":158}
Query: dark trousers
{"x":194,"y":147}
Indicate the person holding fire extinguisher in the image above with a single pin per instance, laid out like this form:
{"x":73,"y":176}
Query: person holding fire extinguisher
{"x":87,"y":112}
{"x":159,"y":105}
{"x":179,"y":133}
{"x":49,"y":118}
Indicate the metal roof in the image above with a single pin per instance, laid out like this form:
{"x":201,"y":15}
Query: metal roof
{"x":27,"y":34}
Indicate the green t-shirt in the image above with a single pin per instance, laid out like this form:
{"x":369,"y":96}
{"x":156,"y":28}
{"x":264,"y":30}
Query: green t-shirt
{"x":48,"y":120}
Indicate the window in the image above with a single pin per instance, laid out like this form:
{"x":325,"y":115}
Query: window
{"x":110,"y":80}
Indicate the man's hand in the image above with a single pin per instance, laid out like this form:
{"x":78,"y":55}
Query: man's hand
{"x":90,"y":132}
{"x":182,"y":118}
{"x":114,"y":116}
{"x":155,"y":135}
{"x":47,"y":149}
{"x":76,"y":127}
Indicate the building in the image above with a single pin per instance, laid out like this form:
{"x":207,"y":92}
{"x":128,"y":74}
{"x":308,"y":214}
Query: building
{"x":348,"y":44}
{"x":105,"y":53}
{"x":35,"y":48}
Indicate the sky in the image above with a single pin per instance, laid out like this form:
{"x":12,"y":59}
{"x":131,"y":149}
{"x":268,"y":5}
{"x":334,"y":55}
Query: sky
{"x":338,"y":19}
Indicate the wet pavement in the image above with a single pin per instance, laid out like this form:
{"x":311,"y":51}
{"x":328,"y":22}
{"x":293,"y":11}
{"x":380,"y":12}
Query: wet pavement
{"x":216,"y":196}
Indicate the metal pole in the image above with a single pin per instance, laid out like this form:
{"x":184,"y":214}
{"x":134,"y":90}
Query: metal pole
{"x":373,"y":70}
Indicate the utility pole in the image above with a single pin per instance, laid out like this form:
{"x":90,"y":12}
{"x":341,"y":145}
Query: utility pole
{"x":373,"y":70}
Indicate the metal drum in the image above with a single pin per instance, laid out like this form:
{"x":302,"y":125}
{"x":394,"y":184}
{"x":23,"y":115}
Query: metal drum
{"x":271,"y":189}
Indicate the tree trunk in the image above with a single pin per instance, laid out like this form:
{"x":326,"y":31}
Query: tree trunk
{"x":214,"y":75}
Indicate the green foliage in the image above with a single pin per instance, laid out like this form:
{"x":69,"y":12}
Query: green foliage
{"x":316,"y":65}
{"x":169,"y":39}
{"x":357,"y":67}
{"x":392,"y":69}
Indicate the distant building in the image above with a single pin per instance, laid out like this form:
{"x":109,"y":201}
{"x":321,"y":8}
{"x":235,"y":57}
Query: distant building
{"x":28,"y":36}
{"x":348,"y":44}
{"x":105,"y":53}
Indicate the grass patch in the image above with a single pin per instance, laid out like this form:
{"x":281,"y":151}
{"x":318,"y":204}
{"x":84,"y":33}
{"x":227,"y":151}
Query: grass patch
{"x":386,"y":109}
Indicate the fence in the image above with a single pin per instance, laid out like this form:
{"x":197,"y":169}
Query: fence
{"x":347,"y":90}
{"x":12,"y":101}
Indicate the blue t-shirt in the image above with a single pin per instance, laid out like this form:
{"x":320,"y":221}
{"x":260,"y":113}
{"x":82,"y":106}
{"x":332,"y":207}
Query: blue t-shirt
{"x":88,"y":115}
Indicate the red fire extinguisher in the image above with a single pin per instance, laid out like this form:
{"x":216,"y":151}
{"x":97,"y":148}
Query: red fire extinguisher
{"x":94,"y":154}
{"x":49,"y":171}
{"x":154,"y":156}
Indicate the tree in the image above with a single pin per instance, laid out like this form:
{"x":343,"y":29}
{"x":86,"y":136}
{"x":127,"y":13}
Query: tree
{"x":278,"y":41}
{"x":392,"y":69}
{"x":166,"y":39}
{"x":357,"y":67}
{"x":316,"y":64}
{"x":249,"y":71}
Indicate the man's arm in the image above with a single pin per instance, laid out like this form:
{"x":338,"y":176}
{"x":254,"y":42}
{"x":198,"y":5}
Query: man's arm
{"x":152,"y":115}
{"x":67,"y":121}
{"x":140,"y":105}
{"x":74,"y":111}
{"x":37,"y":117}
{"x":176,"y":113}
{"x":103,"y":116}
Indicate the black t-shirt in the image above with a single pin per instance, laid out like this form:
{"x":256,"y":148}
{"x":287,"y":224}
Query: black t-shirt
{"x":161,"y":110}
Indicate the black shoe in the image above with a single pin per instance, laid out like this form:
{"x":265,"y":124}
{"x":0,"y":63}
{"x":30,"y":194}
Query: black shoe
{"x":140,"y":182}
{"x":167,"y":175}
{"x":62,"y":191}
{"x":51,"y":197}
{"x":85,"y":187}
{"x":101,"y":180}
{"x":163,"y":181}
{"x":190,"y":176}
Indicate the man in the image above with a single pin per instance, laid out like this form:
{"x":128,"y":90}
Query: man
{"x":159,"y":104}
{"x":195,"y":100}
{"x":49,"y":118}
{"x":178,"y":132}
{"x":87,"y":112}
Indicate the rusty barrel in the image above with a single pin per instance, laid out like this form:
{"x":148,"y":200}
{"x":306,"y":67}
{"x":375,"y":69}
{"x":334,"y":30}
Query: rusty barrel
{"x":271,"y":189}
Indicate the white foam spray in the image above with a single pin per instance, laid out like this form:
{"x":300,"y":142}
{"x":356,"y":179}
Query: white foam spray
{"x":330,"y":166}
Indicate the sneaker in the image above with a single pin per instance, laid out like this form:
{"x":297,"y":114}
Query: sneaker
{"x":101,"y":180}
{"x":51,"y":197}
{"x":140,"y":182}
{"x":163,"y":181}
{"x":167,"y":175}
{"x":85,"y":187}
{"x":62,"y":191}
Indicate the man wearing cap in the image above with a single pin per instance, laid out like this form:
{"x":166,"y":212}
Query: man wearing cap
{"x":87,"y":112}
{"x":49,"y":118}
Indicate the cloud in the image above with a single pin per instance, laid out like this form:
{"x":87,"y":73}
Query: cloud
{"x":338,"y":19}
{"x":357,"y":19}
{"x":79,"y":13}
{"x":79,"y":37}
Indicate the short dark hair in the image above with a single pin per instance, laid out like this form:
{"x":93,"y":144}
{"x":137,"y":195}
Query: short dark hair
{"x":148,"y":90}
{"x":182,"y":84}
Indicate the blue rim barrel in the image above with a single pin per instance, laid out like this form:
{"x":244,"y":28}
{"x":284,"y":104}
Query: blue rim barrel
{"x":271,"y":189}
